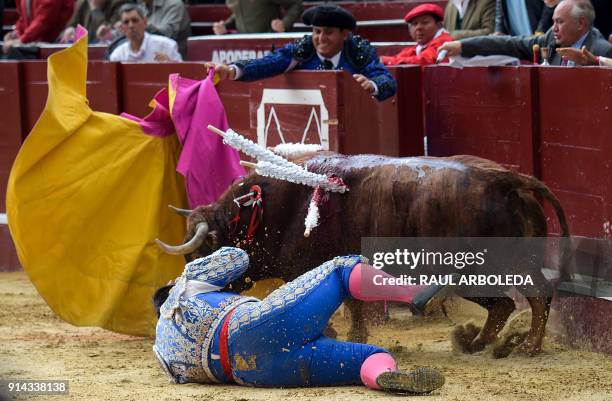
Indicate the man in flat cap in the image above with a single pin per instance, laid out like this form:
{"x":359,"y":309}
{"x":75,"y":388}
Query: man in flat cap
{"x":331,"y":46}
{"x":425,"y":24}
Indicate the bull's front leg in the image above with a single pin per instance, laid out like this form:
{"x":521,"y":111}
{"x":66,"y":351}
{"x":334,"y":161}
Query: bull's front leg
{"x":358,"y":331}
{"x":499,"y":309}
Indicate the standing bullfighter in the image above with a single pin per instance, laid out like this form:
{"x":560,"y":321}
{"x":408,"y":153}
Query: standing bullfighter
{"x":208,"y":336}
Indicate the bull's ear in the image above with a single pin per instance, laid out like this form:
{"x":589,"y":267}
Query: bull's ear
{"x":212,"y":240}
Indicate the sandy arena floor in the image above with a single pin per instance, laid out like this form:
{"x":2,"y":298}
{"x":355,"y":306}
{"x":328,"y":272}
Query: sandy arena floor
{"x":100,"y":365}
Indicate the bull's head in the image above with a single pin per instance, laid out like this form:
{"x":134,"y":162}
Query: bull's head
{"x":200,"y":239}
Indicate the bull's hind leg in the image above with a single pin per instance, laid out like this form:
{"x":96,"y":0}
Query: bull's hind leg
{"x":499,"y":309}
{"x":539,"y":298}
{"x":358,"y":333}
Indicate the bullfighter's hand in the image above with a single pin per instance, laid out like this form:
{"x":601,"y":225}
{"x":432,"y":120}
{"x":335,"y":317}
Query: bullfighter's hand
{"x":277,"y":25}
{"x":453,"y":48}
{"x":364,"y":82}
{"x":219,"y":28}
{"x":578,"y":56}
{"x":161,"y":57}
{"x":223,"y":71}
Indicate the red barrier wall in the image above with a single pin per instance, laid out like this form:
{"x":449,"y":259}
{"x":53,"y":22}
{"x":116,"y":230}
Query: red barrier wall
{"x":288,"y":112}
{"x":8,"y":256}
{"x":10,"y":141}
{"x":576,"y":145}
{"x":102,"y":89}
{"x":483,"y":111}
{"x":34,"y":92}
{"x":140,"y":82}
{"x":94,"y":51}
{"x":10,"y":123}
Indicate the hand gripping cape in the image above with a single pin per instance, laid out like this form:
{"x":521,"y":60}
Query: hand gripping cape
{"x":88,"y":194}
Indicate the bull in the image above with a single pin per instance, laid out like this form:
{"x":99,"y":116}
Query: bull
{"x":459,"y":196}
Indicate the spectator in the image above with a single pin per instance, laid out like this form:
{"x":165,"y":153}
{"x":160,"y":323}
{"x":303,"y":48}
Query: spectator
{"x":93,"y":14}
{"x":603,"y":11}
{"x":520,"y":17}
{"x":259,"y":16}
{"x":140,"y":45}
{"x":467,"y":18}
{"x":169,"y":18}
{"x":573,"y":27}
{"x":330,"y":47}
{"x":39,"y":21}
{"x":425,"y":24}
{"x":546,"y":21}
{"x":583,"y":57}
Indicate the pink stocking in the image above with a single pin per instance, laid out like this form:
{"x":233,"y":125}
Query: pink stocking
{"x":373,"y":366}
{"x":363,"y":286}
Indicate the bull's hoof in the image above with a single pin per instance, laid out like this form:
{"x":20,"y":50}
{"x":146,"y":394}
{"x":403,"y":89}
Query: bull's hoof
{"x":358,"y":335}
{"x":504,"y":346}
{"x":463,"y":338}
{"x":478,"y":344}
{"x":530,"y":348}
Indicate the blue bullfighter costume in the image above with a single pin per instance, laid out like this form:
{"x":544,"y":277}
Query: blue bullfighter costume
{"x":357,"y":56}
{"x":205,"y":335}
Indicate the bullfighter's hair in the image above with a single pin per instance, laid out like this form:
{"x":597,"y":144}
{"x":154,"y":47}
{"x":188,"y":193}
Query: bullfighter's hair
{"x":160,"y":297}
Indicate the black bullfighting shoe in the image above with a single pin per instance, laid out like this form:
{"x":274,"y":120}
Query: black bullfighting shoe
{"x":419,"y":381}
{"x":431,"y":298}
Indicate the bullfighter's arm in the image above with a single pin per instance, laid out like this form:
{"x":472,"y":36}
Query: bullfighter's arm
{"x":520,"y":47}
{"x":219,"y":268}
{"x":268,"y":66}
{"x":382,"y":78}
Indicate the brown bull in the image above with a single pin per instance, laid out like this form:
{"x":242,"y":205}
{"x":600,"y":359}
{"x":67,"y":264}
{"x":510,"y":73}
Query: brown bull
{"x":460,"y":196}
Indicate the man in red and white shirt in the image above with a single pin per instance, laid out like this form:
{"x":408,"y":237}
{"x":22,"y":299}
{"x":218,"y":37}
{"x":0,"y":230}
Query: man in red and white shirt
{"x":425,"y":24}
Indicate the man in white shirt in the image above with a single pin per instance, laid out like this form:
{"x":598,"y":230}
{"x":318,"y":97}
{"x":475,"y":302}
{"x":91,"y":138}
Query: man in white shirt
{"x":140,"y":45}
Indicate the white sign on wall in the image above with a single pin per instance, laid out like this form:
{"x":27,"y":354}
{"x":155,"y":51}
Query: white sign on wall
{"x":306,"y":97}
{"x":229,"y":56}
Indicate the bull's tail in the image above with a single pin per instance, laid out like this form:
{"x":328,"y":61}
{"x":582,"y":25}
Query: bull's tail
{"x":566,"y":256}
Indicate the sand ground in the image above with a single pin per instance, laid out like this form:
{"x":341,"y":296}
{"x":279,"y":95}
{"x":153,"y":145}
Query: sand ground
{"x":100,"y":365}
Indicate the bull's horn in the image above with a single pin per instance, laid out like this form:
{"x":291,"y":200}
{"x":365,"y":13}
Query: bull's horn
{"x":182,"y":212}
{"x":188,"y":247}
{"x":248,"y":164}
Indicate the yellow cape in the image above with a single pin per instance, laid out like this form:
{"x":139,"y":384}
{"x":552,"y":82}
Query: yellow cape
{"x":86,"y":197}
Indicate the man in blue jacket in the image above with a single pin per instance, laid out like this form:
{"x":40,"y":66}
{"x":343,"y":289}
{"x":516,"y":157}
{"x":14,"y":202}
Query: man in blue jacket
{"x":331,"y":46}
